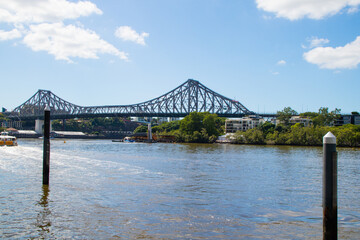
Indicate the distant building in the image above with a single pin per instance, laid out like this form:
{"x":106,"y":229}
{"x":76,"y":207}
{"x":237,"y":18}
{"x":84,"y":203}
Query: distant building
{"x":167,"y":119}
{"x":348,"y":119}
{"x":357,"y":120}
{"x":11,"y":124}
{"x":68,"y":134}
{"x":297,"y":119}
{"x":242,"y":124}
{"x":293,"y":120}
{"x":142,"y":119}
{"x":25,"y":134}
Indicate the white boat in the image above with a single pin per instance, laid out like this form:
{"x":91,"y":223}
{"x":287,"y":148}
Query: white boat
{"x":6,"y":140}
{"x":129,"y":139}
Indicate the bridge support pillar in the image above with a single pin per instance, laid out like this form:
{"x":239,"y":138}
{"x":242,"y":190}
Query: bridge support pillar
{"x":149,"y":132}
{"x":39,"y":126}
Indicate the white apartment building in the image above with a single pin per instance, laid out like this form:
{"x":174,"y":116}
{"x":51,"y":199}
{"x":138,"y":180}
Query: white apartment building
{"x":297,"y":119}
{"x":293,"y":120}
{"x":242,"y":124}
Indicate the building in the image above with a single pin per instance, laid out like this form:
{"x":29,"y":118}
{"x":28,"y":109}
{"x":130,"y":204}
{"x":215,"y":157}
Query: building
{"x":11,"y":124}
{"x":242,"y":124}
{"x":348,"y":119}
{"x":167,"y":119}
{"x":294,"y":120}
{"x":357,"y":120}
{"x":297,"y":119}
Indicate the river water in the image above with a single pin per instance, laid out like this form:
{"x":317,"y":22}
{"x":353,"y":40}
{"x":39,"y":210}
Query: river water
{"x":104,"y":190}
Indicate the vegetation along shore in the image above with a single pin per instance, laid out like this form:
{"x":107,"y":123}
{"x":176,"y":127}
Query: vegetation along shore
{"x":206,"y":128}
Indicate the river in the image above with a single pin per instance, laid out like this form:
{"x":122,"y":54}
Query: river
{"x":105,"y":190}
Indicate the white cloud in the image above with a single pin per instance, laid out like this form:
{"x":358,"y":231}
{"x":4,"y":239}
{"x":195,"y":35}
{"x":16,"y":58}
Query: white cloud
{"x":40,"y":11}
{"x":297,"y":9}
{"x":345,"y":57}
{"x":267,"y":17}
{"x":317,"y":42}
{"x":126,"y":33}
{"x":66,"y":42}
{"x":353,"y":10}
{"x":8,"y":35}
{"x":41,"y":24}
{"x":281,"y":62}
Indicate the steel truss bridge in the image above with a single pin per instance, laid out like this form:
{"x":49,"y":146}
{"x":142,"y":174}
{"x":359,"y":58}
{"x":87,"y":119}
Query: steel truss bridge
{"x":191,"y":96}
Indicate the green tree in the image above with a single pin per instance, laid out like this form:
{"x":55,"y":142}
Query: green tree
{"x":297,"y":135}
{"x":282,"y":128}
{"x":156,"y":129}
{"x":197,"y":121}
{"x":254,"y":136}
{"x":200,"y":127}
{"x":310,"y":115}
{"x":167,"y":127}
{"x":267,"y":127}
{"x":56,"y":125}
{"x":285,"y":115}
{"x":347,"y":135}
{"x":191,"y":123}
{"x":314,"y":135}
{"x":210,"y":125}
{"x":326,"y":118}
{"x":2,"y":119}
{"x":141,"y":128}
{"x":239,"y":137}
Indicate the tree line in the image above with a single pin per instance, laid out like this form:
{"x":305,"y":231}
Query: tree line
{"x":206,"y":128}
{"x":347,"y":135}
{"x":286,"y":133}
{"x":95,"y":125}
{"x":196,"y":127}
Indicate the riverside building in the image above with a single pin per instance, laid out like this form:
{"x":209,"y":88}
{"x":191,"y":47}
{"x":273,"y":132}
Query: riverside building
{"x":348,"y":119}
{"x":242,"y":124}
{"x":297,"y":119}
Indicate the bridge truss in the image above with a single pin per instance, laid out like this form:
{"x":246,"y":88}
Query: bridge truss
{"x":191,"y":96}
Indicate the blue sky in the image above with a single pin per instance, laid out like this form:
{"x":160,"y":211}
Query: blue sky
{"x":267,"y":54}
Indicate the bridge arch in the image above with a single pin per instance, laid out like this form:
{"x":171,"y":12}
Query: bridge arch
{"x":191,"y":96}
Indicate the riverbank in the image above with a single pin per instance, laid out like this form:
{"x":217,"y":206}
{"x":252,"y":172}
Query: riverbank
{"x":346,"y":136}
{"x":296,"y":135}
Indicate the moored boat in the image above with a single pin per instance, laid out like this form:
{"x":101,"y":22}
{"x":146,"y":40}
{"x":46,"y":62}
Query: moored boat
{"x":6,"y":140}
{"x":129,"y":139}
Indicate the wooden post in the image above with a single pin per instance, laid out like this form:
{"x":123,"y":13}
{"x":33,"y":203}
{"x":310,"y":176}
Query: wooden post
{"x":329,"y":187}
{"x":46,"y":150}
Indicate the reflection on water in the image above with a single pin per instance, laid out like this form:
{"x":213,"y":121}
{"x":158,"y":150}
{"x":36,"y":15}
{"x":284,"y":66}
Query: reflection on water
{"x":43,"y":221}
{"x":105,"y":190}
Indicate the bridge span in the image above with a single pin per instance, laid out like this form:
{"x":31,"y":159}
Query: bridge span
{"x":191,"y":96}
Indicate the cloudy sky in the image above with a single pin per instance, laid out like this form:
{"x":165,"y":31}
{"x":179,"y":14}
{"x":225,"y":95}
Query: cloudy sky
{"x":267,"y":54}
